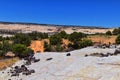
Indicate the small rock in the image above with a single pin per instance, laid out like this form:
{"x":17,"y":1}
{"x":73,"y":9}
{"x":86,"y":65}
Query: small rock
{"x":86,"y":55}
{"x":36,"y":60}
{"x":68,"y":54}
{"x":15,"y":74}
{"x":16,"y":67}
{"x":49,"y":59}
{"x":32,"y":71}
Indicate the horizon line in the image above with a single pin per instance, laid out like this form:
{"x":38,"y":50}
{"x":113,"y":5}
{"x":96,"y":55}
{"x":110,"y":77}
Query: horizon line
{"x":47,"y":24}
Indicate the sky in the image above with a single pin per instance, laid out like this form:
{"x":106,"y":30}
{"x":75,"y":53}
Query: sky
{"x":104,"y":13}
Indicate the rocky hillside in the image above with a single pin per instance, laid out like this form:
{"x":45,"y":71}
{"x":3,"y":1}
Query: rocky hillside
{"x":72,"y":66}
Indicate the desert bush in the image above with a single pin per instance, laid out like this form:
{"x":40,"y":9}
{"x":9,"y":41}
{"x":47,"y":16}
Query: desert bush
{"x":118,"y":39}
{"x":55,"y":39}
{"x":1,"y":46}
{"x":63,"y":34}
{"x":75,"y":36}
{"x":2,"y":53}
{"x":38,"y":35}
{"x":81,"y":44}
{"x":6,"y":46}
{"x":1,"y":38}
{"x":20,"y":50}
{"x":59,"y":48}
{"x":70,"y":45}
{"x":85,"y":43}
{"x":109,"y":33}
{"x":47,"y":46}
{"x":116,"y":31}
{"x":76,"y":45}
{"x":22,"y":39}
{"x":30,"y":51}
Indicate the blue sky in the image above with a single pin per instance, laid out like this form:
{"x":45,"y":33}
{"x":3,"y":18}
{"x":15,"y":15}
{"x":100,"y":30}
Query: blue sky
{"x":104,"y":13}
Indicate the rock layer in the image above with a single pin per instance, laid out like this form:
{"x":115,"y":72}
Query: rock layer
{"x":73,"y":67}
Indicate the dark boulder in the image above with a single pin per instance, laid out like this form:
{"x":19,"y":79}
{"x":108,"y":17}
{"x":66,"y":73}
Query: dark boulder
{"x":28,"y":63}
{"x":15,"y":74}
{"x":86,"y":55}
{"x":18,"y":70}
{"x":32,"y":71}
{"x":117,"y":51}
{"x":16,"y":67}
{"x":49,"y":59}
{"x":68,"y":54}
{"x":22,"y":66}
{"x":27,"y":73}
{"x":36,"y":60}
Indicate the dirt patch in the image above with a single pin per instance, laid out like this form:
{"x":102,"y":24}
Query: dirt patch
{"x":103,"y":39}
{"x":7,"y":63}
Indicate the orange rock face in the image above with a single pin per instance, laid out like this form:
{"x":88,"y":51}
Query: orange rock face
{"x":66,"y":41}
{"x":37,"y":46}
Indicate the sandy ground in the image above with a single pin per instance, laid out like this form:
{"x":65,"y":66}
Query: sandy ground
{"x":74,"y":67}
{"x":49,"y":29}
{"x":87,"y":31}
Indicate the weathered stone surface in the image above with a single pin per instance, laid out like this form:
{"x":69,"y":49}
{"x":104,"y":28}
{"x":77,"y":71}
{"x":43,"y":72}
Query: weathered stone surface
{"x":74,"y":67}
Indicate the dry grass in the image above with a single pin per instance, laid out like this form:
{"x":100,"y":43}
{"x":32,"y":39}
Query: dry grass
{"x":103,"y":39}
{"x":7,"y":63}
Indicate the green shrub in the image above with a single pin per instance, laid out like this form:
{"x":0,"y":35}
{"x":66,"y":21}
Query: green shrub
{"x":22,"y":39}
{"x":38,"y":35}
{"x":70,"y":45}
{"x":63,"y":34}
{"x":108,"y":33}
{"x":30,"y":51}
{"x":20,"y":50}
{"x":55,"y":39}
{"x":75,"y":36}
{"x":59,"y":48}
{"x":76,"y":45}
{"x":6,"y":46}
{"x":118,"y":39}
{"x":85,"y":43}
{"x":2,"y":53}
{"x":1,"y":38}
{"x":116,"y":31}
{"x":47,"y":46}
